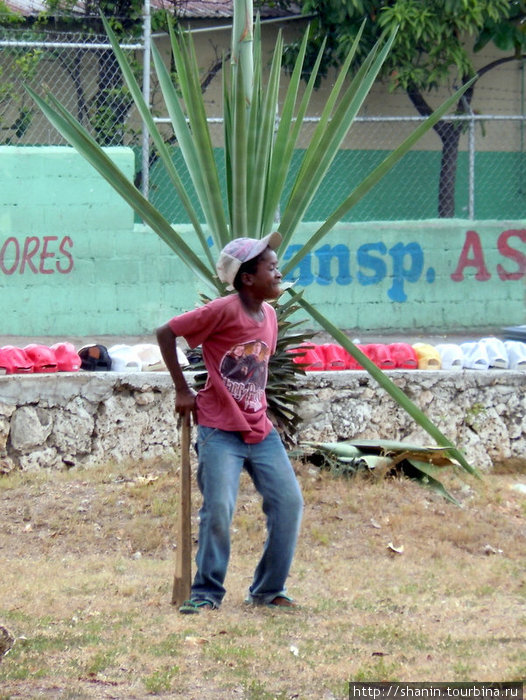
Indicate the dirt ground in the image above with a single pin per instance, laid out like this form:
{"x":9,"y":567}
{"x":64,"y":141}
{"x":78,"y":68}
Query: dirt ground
{"x":394,"y":583}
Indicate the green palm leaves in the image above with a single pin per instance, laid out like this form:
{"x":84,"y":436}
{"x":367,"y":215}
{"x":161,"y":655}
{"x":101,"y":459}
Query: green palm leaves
{"x":387,"y":458}
{"x":262,"y":126}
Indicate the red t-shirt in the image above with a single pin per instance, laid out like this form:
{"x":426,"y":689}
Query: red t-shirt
{"x":236,"y":351}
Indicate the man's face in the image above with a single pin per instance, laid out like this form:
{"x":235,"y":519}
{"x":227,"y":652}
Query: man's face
{"x":266,"y":281}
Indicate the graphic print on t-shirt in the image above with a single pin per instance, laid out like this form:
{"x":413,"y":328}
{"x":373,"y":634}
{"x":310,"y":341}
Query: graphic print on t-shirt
{"x":244,"y":372}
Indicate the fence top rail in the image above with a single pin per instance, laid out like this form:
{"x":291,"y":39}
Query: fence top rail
{"x":380,"y":119}
{"x":447,"y":117}
{"x":6,"y":43}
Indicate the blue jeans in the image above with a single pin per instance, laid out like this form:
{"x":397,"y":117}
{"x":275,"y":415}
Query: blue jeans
{"x":222,"y":457}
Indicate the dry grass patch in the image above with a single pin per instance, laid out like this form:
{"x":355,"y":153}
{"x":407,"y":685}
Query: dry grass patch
{"x":395,"y":584}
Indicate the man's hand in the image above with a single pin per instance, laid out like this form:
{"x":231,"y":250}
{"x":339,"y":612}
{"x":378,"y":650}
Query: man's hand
{"x":185,"y":403}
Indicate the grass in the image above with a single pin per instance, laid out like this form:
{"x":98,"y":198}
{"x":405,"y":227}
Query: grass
{"x":87,"y":562}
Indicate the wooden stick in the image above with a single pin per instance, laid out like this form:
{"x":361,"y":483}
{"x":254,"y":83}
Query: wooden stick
{"x":183,"y":556}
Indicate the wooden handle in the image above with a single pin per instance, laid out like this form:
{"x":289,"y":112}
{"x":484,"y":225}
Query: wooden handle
{"x":183,"y":556}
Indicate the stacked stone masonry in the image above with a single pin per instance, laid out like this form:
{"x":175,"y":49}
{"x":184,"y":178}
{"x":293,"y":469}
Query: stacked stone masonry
{"x":59,"y":421}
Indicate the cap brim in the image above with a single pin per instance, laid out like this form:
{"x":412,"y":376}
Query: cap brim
{"x":274,"y":240}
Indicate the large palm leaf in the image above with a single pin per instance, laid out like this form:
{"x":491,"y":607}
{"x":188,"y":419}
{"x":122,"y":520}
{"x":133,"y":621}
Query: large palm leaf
{"x":258,"y":154}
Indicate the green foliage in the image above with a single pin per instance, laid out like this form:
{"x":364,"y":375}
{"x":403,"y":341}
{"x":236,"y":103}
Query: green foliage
{"x":431,"y":39}
{"x":507,"y":33}
{"x":22,"y":64}
{"x":27,"y":63}
{"x":429,"y":51}
{"x":107,"y":113}
{"x":8,"y":18}
{"x":125,"y":16}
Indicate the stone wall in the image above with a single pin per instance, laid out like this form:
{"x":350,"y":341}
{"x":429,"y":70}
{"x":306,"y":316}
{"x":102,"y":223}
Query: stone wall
{"x":63,"y":420}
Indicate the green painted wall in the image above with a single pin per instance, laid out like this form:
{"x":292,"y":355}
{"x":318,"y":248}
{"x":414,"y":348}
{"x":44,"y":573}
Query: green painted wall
{"x":435,"y":274}
{"x":500,"y":189}
{"x":72,"y":261}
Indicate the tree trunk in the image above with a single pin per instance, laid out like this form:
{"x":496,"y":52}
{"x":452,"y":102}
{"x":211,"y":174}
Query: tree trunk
{"x":449,"y":134}
{"x":73,"y":66}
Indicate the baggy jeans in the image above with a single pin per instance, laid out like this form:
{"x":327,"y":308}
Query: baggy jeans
{"x":222,"y":456}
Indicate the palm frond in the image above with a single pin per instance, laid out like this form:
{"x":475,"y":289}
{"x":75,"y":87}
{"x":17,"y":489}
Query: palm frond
{"x":383,"y":459}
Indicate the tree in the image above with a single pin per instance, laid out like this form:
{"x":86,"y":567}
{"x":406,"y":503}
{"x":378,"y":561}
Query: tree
{"x":24,"y":63}
{"x":430,"y":51}
{"x":106,"y":113}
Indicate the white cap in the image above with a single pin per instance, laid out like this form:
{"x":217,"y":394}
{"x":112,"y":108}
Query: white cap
{"x":150,"y":356}
{"x":475,"y":355}
{"x":124,"y":359}
{"x":451,"y":356}
{"x":496,"y":351}
{"x":516,"y":354}
{"x":239,"y":251}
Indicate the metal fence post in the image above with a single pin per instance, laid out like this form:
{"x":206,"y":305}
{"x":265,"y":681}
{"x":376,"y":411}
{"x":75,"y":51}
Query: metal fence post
{"x":470,"y":117}
{"x":147,"y":32}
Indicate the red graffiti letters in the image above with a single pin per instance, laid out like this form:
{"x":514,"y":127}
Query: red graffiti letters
{"x":507,"y":251}
{"x":44,"y":255}
{"x":472,"y":256}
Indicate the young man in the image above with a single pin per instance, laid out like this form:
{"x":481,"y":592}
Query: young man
{"x":238,"y":334}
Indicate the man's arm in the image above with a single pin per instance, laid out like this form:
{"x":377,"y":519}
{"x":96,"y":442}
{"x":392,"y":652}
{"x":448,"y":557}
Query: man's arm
{"x":184,"y":395}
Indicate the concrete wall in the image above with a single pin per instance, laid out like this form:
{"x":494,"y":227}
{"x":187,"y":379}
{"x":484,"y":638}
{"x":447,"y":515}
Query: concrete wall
{"x":61,"y":226}
{"x":61,"y":421}
{"x":72,"y":262}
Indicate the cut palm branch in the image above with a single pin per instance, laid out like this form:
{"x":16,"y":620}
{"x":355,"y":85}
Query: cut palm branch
{"x":385,"y":458}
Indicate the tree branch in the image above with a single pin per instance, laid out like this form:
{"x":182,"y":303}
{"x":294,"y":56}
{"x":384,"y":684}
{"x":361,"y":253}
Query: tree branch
{"x":494,"y":64}
{"x":213,"y":71}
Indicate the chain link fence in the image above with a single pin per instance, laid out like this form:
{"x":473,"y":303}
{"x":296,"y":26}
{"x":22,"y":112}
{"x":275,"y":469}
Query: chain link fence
{"x":81,"y":71}
{"x":477,"y":170}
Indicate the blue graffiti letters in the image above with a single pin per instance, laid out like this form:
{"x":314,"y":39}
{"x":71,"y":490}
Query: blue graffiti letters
{"x":371,"y":262}
{"x":401,"y":273}
{"x":302,"y":273}
{"x":325,"y":255}
{"x":333,"y":264}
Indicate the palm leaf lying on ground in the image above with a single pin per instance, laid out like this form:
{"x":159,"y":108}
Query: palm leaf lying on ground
{"x":384,"y":458}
